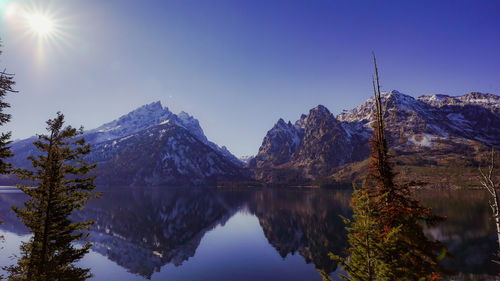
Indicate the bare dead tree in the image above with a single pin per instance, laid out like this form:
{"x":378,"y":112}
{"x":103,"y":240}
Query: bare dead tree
{"x":488,"y":182}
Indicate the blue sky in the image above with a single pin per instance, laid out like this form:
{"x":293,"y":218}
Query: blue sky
{"x":238,"y":66}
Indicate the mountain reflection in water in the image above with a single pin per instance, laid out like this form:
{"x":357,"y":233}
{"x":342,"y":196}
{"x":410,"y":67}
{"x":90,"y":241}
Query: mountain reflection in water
{"x":143,"y":230}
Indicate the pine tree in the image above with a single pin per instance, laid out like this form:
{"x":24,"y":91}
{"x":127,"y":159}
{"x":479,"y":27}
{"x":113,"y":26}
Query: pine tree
{"x":365,"y":259}
{"x":6,"y":84}
{"x":61,"y":186}
{"x":414,"y":256}
{"x":386,"y":235}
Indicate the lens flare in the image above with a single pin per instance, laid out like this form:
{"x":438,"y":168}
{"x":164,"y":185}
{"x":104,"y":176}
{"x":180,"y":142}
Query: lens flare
{"x":40,"y":24}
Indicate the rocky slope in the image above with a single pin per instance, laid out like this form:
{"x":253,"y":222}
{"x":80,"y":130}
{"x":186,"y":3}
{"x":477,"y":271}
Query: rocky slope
{"x":433,"y":130}
{"x":150,"y":146}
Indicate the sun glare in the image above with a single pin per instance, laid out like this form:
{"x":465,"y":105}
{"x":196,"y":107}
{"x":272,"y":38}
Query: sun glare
{"x":40,"y":24}
{"x":45,"y":25}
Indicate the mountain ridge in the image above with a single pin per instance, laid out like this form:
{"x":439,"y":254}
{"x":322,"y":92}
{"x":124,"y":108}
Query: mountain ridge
{"x":420,"y":128}
{"x":137,"y":139}
{"x":153,"y":146}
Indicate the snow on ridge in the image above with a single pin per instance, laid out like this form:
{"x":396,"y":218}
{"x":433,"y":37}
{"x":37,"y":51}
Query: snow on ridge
{"x":438,"y":97}
{"x":480,"y":99}
{"x":192,"y":125}
{"x":150,"y":115}
{"x":145,"y":117}
{"x":432,"y":98}
{"x":403,"y":102}
{"x":138,"y":119}
{"x":107,"y":129}
{"x":365,"y":111}
{"x":473,"y":98}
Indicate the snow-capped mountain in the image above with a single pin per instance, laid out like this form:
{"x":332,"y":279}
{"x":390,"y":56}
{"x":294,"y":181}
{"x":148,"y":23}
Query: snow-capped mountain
{"x":150,"y":146}
{"x":135,"y":121}
{"x":150,"y":115}
{"x":320,"y":145}
{"x":164,"y":154}
{"x":474,"y":116}
{"x":489,"y":101}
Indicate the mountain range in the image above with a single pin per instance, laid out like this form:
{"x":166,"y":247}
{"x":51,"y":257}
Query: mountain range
{"x":437,"y":139}
{"x":150,"y":146}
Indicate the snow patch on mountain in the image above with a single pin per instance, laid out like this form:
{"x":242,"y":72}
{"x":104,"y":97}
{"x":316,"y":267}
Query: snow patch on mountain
{"x":150,"y":146}
{"x":430,"y":121}
{"x":148,"y":116}
{"x":425,"y":140}
{"x":489,"y":101}
{"x":392,"y":100}
{"x":137,"y":120}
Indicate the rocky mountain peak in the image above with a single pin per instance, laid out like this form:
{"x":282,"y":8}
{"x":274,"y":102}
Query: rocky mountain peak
{"x":319,"y":110}
{"x":317,"y":115}
{"x":138,"y":119}
{"x":323,"y":142}
{"x":280,"y":124}
{"x":317,"y":141}
{"x":154,"y":106}
{"x":488,"y":101}
{"x":392,"y":101}
{"x":396,"y":99}
{"x":301,"y":122}
{"x":191,"y":124}
{"x":278,"y":145}
{"x":149,"y":112}
{"x":480,"y":96}
{"x":436,"y":100}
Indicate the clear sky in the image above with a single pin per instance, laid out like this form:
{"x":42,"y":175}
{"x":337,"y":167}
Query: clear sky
{"x":237,"y":66}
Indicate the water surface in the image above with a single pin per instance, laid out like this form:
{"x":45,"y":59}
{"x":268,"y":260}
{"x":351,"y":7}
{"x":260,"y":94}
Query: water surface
{"x":261,"y":234}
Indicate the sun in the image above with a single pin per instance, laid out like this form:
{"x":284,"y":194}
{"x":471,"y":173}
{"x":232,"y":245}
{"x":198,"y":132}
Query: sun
{"x":40,"y":24}
{"x":45,"y":27}
{"x":38,"y":21}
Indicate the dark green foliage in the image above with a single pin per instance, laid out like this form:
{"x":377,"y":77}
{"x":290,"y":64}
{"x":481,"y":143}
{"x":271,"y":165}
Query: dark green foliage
{"x":6,"y":84}
{"x":386,"y":235}
{"x":367,"y":243}
{"x":60,"y":186}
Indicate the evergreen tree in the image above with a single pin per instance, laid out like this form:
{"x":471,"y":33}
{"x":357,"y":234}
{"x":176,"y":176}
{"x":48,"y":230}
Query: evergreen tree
{"x":61,"y":185}
{"x":386,"y":235}
{"x":6,"y":84}
{"x":414,"y":255}
{"x":364,"y":262}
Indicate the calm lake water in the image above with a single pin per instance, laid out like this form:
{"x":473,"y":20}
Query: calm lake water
{"x":262,"y":234}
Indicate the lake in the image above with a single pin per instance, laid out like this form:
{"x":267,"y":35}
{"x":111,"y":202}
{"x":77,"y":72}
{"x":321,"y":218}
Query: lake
{"x":252,"y":234}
